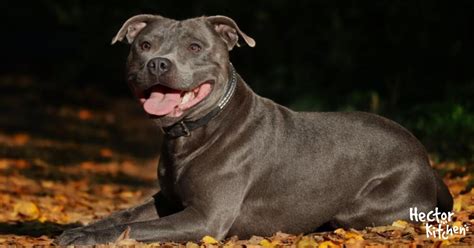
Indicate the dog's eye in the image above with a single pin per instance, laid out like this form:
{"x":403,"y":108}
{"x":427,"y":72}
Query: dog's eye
{"x":145,"y":46}
{"x":195,"y":47}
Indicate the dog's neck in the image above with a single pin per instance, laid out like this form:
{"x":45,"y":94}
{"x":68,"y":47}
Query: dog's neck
{"x":228,"y":120}
{"x":185,"y":128}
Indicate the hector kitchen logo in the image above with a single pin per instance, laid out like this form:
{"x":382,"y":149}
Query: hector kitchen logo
{"x":441,"y":230}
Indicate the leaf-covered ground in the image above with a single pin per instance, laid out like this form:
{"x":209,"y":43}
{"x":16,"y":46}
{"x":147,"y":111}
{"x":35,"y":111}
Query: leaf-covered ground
{"x":71,"y":157}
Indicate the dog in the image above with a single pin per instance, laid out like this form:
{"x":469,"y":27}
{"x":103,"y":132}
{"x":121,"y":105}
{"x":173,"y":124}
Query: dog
{"x":235,"y":163}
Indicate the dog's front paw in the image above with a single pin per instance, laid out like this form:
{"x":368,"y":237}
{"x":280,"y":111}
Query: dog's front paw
{"x":82,"y":236}
{"x":69,"y":236}
{"x":76,"y":236}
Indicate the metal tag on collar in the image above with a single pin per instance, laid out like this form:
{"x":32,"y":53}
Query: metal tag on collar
{"x":185,"y":128}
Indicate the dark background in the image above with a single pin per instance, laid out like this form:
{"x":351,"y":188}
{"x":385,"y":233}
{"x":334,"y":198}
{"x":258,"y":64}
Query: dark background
{"x":411,"y":61}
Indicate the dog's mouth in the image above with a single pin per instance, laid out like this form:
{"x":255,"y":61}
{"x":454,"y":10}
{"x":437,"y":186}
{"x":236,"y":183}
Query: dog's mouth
{"x":160,"y":100}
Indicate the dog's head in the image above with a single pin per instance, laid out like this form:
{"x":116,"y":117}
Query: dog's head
{"x":179,"y":69}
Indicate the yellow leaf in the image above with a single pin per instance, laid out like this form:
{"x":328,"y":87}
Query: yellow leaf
{"x":268,"y":244}
{"x":400,"y":223}
{"x":349,"y":234}
{"x":27,"y":209}
{"x":265,"y":243}
{"x":340,"y":231}
{"x":306,"y":241}
{"x":209,"y":240}
{"x":457,"y":204}
{"x":191,"y":245}
{"x":42,"y":219}
{"x":445,"y":243}
{"x":47,"y":184}
{"x":353,"y":235}
{"x":469,"y":207}
{"x":328,"y":244}
{"x":457,"y":223}
{"x":127,"y":195}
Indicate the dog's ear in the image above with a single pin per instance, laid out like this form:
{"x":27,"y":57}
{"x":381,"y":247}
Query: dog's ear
{"x":229,"y":31}
{"x":133,"y":26}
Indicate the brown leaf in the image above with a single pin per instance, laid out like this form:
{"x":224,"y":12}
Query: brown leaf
{"x":106,"y":152}
{"x":21,"y":139}
{"x":84,"y":114}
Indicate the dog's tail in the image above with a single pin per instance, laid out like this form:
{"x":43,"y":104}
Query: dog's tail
{"x":444,"y":198}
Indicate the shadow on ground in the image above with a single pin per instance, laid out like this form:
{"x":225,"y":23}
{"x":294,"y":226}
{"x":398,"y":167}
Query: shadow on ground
{"x":35,"y":228}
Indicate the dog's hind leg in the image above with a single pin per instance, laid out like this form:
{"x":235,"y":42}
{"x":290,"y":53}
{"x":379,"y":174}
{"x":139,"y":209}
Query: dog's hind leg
{"x":389,"y":197}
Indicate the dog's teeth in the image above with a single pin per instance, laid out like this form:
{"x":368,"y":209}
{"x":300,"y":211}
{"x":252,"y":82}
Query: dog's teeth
{"x":187,"y":97}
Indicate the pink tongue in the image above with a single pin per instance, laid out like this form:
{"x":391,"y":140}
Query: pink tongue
{"x":162,"y":104}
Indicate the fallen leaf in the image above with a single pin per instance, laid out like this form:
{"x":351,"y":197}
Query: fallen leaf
{"x":445,"y":243}
{"x":42,"y":219}
{"x":21,"y":139}
{"x":457,"y":206}
{"x":47,"y":184}
{"x":84,"y":114}
{"x":21,"y":164}
{"x":376,"y":246}
{"x":124,"y":239}
{"x":265,"y":243}
{"x":400,"y":223}
{"x":124,"y":235}
{"x":209,"y":240}
{"x":127,"y":195}
{"x":191,"y":245}
{"x":328,"y":244}
{"x":4,"y":164}
{"x":255,"y":240}
{"x":106,"y":152}
{"x":307,"y":241}
{"x":268,"y":244}
{"x":27,"y":209}
{"x":126,"y":242}
{"x":340,"y":231}
{"x":353,"y":236}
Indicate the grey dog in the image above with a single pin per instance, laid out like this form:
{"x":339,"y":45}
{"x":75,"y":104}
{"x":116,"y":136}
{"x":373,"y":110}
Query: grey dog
{"x":235,"y":163}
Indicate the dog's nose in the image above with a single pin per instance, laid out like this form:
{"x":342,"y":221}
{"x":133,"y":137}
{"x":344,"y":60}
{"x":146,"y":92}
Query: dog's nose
{"x":159,"y":65}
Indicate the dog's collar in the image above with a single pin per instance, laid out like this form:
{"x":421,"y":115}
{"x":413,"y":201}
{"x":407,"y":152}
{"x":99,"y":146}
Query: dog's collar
{"x":184,"y":128}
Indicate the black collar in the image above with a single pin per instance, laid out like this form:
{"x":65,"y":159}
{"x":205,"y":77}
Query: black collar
{"x":184,"y":128}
